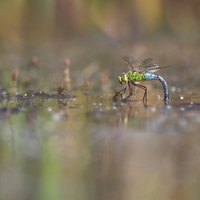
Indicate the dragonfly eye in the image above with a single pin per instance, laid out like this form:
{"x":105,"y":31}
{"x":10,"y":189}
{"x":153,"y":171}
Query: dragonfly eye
{"x":120,"y":79}
{"x":124,"y":78}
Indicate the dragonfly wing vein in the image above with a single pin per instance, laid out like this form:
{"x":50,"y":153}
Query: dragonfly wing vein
{"x":133,"y":62}
{"x":147,"y":61}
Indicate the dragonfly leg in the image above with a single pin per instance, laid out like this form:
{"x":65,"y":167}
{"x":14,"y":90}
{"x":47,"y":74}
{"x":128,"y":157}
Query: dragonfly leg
{"x":129,"y":90}
{"x":142,"y":87}
{"x":119,"y":93}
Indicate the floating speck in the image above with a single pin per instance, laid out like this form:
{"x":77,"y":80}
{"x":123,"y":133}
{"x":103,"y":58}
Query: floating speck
{"x":153,"y":109}
{"x":182,"y":108}
{"x":160,"y":98}
{"x":169,"y":107}
{"x":49,"y":109}
{"x":58,"y":116}
{"x":173,"y":88}
{"x":182,"y":97}
{"x":114,"y":107}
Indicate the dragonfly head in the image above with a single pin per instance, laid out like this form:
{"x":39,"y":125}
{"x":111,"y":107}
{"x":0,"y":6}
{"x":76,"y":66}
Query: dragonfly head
{"x":123,"y":78}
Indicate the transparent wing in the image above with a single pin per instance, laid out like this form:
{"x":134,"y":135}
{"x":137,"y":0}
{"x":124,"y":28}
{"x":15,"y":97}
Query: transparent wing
{"x":152,"y":68}
{"x":146,"y":65}
{"x":147,"y":61}
{"x":133,"y":62}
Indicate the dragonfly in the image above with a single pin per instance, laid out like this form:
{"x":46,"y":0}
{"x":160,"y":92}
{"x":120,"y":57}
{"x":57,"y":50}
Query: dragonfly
{"x":140,"y":71}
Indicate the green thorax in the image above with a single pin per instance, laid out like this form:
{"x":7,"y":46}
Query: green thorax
{"x":135,"y":76}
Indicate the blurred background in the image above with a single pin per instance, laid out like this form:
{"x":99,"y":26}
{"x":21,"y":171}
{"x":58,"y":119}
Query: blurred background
{"x":100,"y":31}
{"x":31,"y":21}
{"x":90,"y":147}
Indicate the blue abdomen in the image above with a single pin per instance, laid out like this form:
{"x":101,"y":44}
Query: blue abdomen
{"x":150,"y":76}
